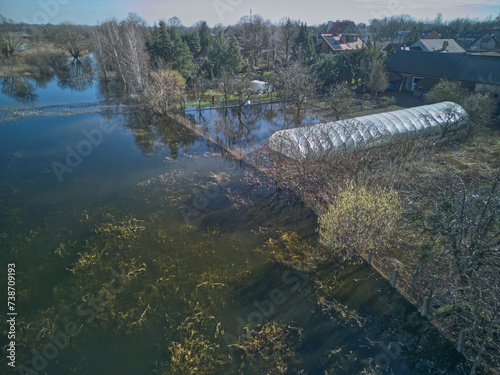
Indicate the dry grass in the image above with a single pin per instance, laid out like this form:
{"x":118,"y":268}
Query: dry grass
{"x":35,"y":61}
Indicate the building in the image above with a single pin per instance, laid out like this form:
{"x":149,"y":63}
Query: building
{"x":437,"y":45}
{"x":488,"y":42}
{"x":400,"y":38}
{"x":440,"y":32}
{"x":339,"y":36}
{"x":468,"y":38}
{"x":479,"y":73}
{"x":321,"y":141}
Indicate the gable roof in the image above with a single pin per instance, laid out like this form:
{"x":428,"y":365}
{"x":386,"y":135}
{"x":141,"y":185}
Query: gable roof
{"x":430,"y":45}
{"x":337,"y":28}
{"x":471,"y":34}
{"x":445,"y":32}
{"x":336,"y":44}
{"x":454,"y":66}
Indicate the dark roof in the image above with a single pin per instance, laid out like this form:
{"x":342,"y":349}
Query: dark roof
{"x":460,"y":67}
{"x":472,"y":34}
{"x":445,"y":32}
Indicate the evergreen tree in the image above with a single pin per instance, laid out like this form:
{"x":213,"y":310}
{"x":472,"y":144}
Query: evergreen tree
{"x":412,"y":37}
{"x":205,"y":38}
{"x":235,"y":60}
{"x":303,"y":48}
{"x":219,"y":55}
{"x":152,"y":42}
{"x":182,"y":59}
{"x":164,"y":44}
{"x":390,"y":50}
{"x":193,"y":41}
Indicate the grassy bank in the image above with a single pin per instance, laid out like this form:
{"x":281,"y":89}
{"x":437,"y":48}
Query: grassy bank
{"x":36,"y":61}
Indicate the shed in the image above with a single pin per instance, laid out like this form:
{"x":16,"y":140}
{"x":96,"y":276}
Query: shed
{"x":323,"y":140}
{"x":261,"y":86}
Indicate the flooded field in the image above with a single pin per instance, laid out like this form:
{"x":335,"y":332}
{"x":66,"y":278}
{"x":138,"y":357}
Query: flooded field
{"x":140,"y":249}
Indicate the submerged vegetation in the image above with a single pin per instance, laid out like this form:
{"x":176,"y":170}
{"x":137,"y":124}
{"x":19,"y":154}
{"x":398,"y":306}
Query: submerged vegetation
{"x":203,"y":271}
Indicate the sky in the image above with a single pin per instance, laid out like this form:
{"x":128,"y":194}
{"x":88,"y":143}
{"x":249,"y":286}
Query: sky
{"x":228,"y":12}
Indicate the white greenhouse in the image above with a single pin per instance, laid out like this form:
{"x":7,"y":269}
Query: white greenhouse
{"x":323,"y":140}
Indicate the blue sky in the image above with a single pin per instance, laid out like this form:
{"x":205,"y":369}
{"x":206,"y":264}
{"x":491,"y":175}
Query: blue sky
{"x":230,"y":11}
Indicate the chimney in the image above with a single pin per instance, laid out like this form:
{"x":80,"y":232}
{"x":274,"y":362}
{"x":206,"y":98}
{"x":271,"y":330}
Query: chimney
{"x":445,"y":45}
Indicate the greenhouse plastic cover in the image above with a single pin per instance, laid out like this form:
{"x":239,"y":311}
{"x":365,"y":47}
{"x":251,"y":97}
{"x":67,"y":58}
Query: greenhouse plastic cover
{"x":318,"y":141}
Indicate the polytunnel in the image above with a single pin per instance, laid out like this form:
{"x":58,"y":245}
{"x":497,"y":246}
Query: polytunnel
{"x":323,"y":140}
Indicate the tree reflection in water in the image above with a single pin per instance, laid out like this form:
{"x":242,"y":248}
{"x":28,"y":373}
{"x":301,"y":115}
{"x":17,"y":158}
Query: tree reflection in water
{"x":21,"y":89}
{"x":76,"y":75}
{"x":152,"y":133}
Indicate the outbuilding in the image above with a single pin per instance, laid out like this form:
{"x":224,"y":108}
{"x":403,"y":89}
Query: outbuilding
{"x":317,"y":142}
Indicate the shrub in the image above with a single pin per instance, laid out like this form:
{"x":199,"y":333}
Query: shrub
{"x":386,"y":101}
{"x":163,"y":90}
{"x":360,"y":219}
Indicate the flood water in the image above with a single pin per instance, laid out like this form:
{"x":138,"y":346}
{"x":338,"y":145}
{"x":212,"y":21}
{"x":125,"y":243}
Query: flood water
{"x":122,"y":226}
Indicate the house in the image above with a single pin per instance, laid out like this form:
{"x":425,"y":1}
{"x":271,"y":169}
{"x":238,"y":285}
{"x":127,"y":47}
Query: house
{"x":437,"y":45}
{"x":387,"y":46}
{"x":478,"y":73}
{"x":364,"y":34}
{"x":468,"y":38}
{"x":400,"y":38}
{"x":439,"y":32}
{"x":488,"y":42}
{"x":339,"y":36}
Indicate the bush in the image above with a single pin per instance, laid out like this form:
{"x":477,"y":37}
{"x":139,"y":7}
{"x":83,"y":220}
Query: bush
{"x":163,"y":90}
{"x":361,"y":219}
{"x":366,"y":97}
{"x":386,"y":101}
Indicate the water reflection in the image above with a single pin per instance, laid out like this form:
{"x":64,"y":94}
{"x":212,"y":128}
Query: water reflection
{"x":153,"y":133}
{"x":76,"y":75}
{"x":246,"y":127}
{"x":22,"y":89}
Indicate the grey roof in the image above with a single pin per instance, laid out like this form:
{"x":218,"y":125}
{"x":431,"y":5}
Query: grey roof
{"x":437,"y":45}
{"x":324,"y":140}
{"x":454,"y":66}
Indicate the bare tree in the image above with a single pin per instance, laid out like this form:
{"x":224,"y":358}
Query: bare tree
{"x":200,"y":87}
{"x":251,"y":32}
{"x":135,"y":54}
{"x":341,"y":99}
{"x":289,"y":29}
{"x":460,"y":220}
{"x":10,"y":41}
{"x":71,"y":38}
{"x":174,"y":22}
{"x":243,"y":89}
{"x":99,"y":47}
{"x":296,"y":84}
{"x":123,"y":48}
{"x":163,"y":90}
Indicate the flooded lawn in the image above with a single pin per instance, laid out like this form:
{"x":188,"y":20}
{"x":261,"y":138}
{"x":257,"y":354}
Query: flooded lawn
{"x":138,"y":247}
